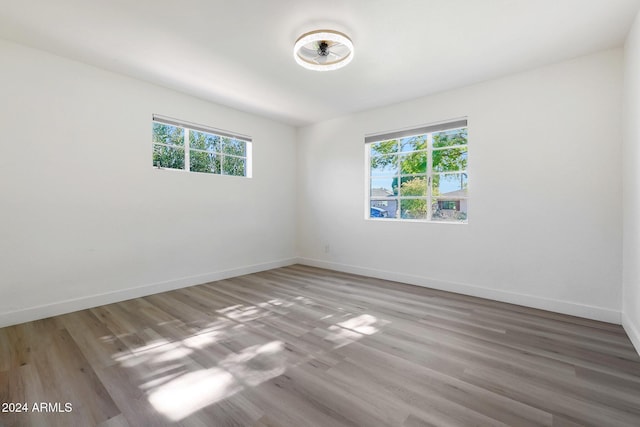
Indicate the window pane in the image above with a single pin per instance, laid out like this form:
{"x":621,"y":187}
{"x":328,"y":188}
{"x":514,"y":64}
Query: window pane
{"x":168,"y":157}
{"x":413,"y":163}
{"x":384,"y":165}
{"x":451,"y":159}
{"x":450,"y":184}
{"x":167,"y":134}
{"x":413,"y":186}
{"x":204,"y":162}
{"x":383,"y":208}
{"x":450,"y":137}
{"x":233,"y":166}
{"x":413,"y":208}
{"x":233,"y":146}
{"x":449,"y":210}
{"x":384,"y":147}
{"x":204,"y":141}
{"x":414,"y":143}
{"x":384,"y":187}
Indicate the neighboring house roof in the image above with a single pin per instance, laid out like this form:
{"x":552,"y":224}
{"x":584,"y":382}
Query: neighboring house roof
{"x":455,"y":194}
{"x":381,"y":192}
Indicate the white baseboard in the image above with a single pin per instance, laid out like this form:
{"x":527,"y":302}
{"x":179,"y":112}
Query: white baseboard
{"x":68,"y":306}
{"x":632,"y":331}
{"x":558,"y":306}
{"x":574,"y":309}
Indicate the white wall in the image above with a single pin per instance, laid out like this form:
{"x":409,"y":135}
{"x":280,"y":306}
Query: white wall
{"x":631,"y":186}
{"x":85,"y":219}
{"x":544,"y":215}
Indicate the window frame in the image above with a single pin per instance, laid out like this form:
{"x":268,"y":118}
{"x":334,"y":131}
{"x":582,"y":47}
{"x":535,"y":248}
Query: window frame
{"x":189,"y":127}
{"x":431,"y":201}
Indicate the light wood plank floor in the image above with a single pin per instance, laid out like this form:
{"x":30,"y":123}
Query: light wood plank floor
{"x":300,"y":346}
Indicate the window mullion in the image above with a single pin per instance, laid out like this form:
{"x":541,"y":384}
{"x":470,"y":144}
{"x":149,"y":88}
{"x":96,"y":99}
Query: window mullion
{"x":187,"y":154}
{"x":222,"y":144}
{"x":429,"y":176}
{"x":399,"y":172}
{"x":367,"y":168}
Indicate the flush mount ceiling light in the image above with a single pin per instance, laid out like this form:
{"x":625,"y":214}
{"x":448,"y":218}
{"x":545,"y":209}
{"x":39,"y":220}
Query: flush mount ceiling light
{"x":323,"y":50}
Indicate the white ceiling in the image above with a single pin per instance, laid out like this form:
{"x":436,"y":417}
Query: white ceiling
{"x":239,"y":52}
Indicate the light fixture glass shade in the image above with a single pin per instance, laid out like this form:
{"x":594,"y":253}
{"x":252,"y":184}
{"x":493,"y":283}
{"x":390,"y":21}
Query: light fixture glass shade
{"x":323,"y":50}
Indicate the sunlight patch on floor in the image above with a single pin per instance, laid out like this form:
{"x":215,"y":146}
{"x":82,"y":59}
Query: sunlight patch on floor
{"x":257,"y":364}
{"x":353,"y":329}
{"x":187,"y":393}
{"x":132,"y":358}
{"x":171,"y":352}
{"x":362,"y":324}
{"x":193,"y":391}
{"x":202,"y":340}
{"x":181,"y":377}
{"x":230,"y":308}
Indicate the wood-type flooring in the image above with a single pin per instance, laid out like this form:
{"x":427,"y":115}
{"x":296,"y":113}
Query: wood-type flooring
{"x":301,"y":346}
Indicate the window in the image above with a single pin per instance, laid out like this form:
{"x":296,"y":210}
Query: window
{"x":197,"y":148}
{"x":419,"y":174}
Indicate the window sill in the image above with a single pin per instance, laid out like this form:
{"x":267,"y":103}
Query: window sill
{"x":420,"y":221}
